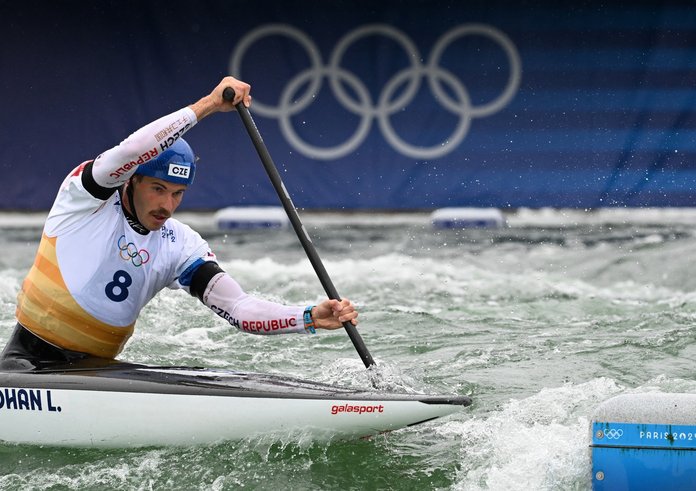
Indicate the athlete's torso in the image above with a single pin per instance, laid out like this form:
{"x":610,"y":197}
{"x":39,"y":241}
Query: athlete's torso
{"x":94,"y":273}
{"x":94,"y":270}
{"x":112,"y":271}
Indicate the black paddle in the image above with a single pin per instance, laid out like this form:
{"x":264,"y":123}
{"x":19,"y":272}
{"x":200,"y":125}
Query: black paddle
{"x":228,"y":95}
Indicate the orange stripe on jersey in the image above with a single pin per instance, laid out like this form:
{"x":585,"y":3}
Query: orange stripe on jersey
{"x":47,"y":309}
{"x":45,"y":262}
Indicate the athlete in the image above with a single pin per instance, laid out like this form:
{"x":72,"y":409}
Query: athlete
{"x":110,"y":244}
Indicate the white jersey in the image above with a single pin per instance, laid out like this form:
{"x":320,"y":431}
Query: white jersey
{"x":109,"y":269}
{"x":95,"y":270}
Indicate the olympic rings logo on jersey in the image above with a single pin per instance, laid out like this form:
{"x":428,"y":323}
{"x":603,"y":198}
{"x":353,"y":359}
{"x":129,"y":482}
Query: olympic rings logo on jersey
{"x":129,"y":252}
{"x":438,"y":78}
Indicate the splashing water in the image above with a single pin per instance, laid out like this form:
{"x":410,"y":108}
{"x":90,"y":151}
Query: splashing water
{"x":539,"y":323}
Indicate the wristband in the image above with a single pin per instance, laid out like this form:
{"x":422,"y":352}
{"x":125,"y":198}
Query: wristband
{"x":308,"y":321}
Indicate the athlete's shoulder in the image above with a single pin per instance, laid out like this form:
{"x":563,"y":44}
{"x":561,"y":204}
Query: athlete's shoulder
{"x":74,"y":204}
{"x":185,"y":240}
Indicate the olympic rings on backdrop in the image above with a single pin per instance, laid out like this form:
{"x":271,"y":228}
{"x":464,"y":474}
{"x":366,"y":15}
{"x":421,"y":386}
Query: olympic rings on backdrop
{"x":129,"y":251}
{"x":338,"y":77}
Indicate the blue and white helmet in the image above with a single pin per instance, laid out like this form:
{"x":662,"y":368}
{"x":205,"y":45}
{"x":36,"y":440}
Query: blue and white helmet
{"x":176,"y":164}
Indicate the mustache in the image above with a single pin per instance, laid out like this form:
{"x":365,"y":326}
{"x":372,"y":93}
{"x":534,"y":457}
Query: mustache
{"x":161,"y":212}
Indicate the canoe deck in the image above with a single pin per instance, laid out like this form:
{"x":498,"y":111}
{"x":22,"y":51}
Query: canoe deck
{"x":123,"y":405}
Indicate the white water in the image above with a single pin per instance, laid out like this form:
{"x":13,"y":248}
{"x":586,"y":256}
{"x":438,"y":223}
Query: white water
{"x":539,"y":323}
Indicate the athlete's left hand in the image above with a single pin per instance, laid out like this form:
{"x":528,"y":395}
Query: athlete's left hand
{"x":331,"y":314}
{"x":214,"y":102}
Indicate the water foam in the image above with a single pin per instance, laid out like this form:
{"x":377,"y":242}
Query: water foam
{"x":540,"y":442}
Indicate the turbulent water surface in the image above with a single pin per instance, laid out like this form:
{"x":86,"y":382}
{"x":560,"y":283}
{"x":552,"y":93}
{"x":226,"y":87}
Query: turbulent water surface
{"x":538,"y":322}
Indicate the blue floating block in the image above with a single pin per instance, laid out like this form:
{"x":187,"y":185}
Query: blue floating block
{"x":645,"y":441}
{"x":467,"y":218}
{"x":251,"y":217}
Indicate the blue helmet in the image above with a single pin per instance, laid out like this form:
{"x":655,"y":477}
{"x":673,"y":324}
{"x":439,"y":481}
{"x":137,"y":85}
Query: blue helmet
{"x":176,"y":164}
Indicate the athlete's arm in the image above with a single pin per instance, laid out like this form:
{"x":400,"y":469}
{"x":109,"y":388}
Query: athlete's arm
{"x":222,"y":294}
{"x":115,"y":166}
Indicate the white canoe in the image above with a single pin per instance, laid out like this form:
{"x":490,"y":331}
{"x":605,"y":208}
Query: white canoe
{"x":126,"y":405}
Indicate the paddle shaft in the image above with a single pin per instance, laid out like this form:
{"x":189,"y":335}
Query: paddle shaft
{"x":300,"y":230}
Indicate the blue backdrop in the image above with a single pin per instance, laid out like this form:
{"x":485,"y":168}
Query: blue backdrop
{"x":392,"y":104}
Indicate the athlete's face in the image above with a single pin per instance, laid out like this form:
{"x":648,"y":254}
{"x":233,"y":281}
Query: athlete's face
{"x":155,"y":200}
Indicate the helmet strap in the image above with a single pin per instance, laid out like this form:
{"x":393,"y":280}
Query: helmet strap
{"x":132,"y":215}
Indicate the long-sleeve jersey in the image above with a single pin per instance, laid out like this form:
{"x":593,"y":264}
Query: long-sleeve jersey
{"x":95,"y":269}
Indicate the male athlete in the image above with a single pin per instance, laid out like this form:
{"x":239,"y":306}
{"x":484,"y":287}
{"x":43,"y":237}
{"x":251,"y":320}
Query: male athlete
{"x":109,"y":245}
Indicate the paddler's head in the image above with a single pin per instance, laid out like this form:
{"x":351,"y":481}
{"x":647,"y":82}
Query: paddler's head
{"x":157,"y":187}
